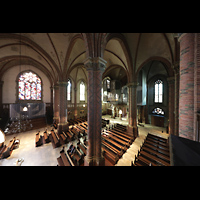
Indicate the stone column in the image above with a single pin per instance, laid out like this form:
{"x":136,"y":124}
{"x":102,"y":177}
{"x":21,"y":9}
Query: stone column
{"x":56,"y":102}
{"x":186,"y":93}
{"x":1,"y":97}
{"x":171,"y":104}
{"x":132,"y":126}
{"x":95,"y":67}
{"x":176,"y":107}
{"x":63,"y":124}
{"x":75,"y":101}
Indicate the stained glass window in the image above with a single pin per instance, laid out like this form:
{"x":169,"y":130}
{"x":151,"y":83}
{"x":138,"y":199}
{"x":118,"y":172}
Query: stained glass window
{"x":82,"y":91}
{"x":158,"y":111}
{"x":158,"y":91}
{"x":29,"y":86}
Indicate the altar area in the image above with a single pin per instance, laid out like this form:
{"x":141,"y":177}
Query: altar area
{"x":27,"y":111}
{"x":26,"y":116}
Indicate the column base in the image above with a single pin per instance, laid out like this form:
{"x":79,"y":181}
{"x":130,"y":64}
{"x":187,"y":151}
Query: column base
{"x":133,"y":131}
{"x":94,"y":161}
{"x":62,"y":127}
{"x":56,"y":119}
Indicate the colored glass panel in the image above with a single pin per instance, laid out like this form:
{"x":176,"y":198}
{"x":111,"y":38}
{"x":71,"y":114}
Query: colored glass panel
{"x":29,"y":87}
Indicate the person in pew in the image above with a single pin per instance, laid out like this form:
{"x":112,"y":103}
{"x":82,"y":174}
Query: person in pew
{"x":70,"y":147}
{"x":72,"y":150}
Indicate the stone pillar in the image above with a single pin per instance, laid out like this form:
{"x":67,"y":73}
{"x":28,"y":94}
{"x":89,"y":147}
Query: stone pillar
{"x":1,"y":97}
{"x":75,"y":101}
{"x":63,"y":124}
{"x":171,"y":104}
{"x":132,"y":126}
{"x":176,"y":107}
{"x":196,"y":83}
{"x":186,"y":93}
{"x":56,"y":102}
{"x":147,"y":105}
{"x":95,"y":67}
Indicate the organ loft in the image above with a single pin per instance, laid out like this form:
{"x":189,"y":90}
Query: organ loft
{"x":99,"y":99}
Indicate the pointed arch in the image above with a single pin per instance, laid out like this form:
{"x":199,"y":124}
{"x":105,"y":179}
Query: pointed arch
{"x":122,"y":40}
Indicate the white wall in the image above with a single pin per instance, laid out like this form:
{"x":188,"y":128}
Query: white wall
{"x":9,"y":85}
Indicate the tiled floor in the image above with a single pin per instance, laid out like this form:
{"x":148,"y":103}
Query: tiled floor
{"x":46,"y":155}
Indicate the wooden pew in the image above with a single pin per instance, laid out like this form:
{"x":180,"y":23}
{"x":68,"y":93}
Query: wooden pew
{"x":156,"y":145}
{"x":81,"y":129}
{"x":153,"y":153}
{"x":62,"y":160}
{"x":81,"y":147}
{"x":123,"y":134}
{"x":154,"y":158}
{"x":112,"y":148}
{"x":7,"y":150}
{"x":158,"y":154}
{"x":75,"y":132}
{"x":114,"y":143}
{"x":77,"y":157}
{"x":157,"y":149}
{"x":64,"y":137}
{"x":115,"y":139}
{"x":38,"y":139}
{"x":119,"y":136}
{"x":113,"y":158}
{"x":155,"y":137}
{"x":3,"y":149}
{"x":157,"y":141}
{"x":55,"y":138}
{"x":144,"y":161}
{"x":46,"y":137}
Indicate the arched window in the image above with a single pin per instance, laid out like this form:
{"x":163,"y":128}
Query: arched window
{"x":158,"y":91}
{"x":29,"y":86}
{"x":69,"y":90}
{"x":82,"y":91}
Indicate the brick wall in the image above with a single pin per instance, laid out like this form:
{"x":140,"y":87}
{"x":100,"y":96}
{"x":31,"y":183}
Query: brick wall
{"x":186,"y":94}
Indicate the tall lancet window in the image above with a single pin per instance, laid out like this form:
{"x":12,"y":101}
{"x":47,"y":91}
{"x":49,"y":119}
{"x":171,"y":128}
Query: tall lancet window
{"x":82,"y":91}
{"x":158,"y":91}
{"x":29,"y":86}
{"x":69,"y":90}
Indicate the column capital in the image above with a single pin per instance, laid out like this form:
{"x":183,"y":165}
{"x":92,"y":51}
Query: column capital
{"x":171,"y":80}
{"x":95,"y":63}
{"x":176,"y":67}
{"x":133,"y":84}
{"x":62,"y":83}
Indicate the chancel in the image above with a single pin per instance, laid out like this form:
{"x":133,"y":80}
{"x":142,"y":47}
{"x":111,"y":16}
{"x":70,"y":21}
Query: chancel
{"x":99,"y":99}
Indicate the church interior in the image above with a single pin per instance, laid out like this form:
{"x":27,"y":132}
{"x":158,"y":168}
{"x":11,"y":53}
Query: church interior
{"x":99,"y":99}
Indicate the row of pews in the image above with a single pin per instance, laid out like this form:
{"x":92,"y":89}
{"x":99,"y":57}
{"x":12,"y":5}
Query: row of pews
{"x":115,"y":141}
{"x":6,"y":150}
{"x":75,"y":132}
{"x":74,"y":156}
{"x":72,"y":122}
{"x":153,"y":152}
{"x":40,"y":140}
{"x":77,"y":121}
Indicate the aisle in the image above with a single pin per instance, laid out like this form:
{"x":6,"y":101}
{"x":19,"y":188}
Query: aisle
{"x":130,"y":154}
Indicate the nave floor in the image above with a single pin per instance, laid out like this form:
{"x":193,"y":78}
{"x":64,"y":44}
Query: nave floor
{"x":45,"y":155}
